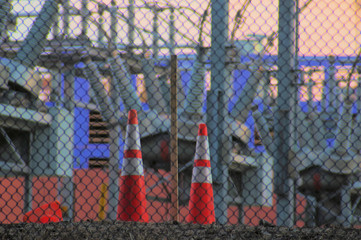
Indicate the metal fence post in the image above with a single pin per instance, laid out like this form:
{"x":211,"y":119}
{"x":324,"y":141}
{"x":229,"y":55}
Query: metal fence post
{"x":216,"y":101}
{"x":285,"y":75}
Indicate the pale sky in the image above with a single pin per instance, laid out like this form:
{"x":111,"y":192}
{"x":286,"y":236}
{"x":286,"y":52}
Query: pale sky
{"x":326,"y":26}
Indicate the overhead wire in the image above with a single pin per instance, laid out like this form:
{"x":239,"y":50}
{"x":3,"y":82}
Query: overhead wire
{"x":274,"y":34}
{"x":348,"y":81}
{"x":239,"y":19}
{"x":201,"y":24}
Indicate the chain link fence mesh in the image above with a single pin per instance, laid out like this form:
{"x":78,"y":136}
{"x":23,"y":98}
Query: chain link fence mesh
{"x":276,"y":84}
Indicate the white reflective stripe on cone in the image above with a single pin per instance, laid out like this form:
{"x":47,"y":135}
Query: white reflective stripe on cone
{"x":132,"y":166}
{"x":132,"y":138}
{"x":202,"y":148}
{"x":202,"y":175}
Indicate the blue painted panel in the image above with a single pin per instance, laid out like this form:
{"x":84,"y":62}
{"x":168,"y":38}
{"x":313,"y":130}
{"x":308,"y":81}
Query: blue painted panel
{"x":81,"y":126}
{"x":185,"y":78}
{"x":240,"y":78}
{"x":81,"y":87}
{"x":251,"y":125}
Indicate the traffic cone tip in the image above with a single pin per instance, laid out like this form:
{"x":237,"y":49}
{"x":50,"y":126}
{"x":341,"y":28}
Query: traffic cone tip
{"x":132,"y":117}
{"x":202,"y":130}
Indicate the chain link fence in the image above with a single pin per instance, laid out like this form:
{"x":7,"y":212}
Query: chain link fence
{"x":234,"y":112}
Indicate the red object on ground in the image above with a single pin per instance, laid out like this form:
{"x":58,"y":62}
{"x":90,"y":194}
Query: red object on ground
{"x":47,"y":213}
{"x":201,"y":202}
{"x":132,"y":195}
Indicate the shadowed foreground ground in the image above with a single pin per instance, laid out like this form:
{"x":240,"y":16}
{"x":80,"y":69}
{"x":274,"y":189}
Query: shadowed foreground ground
{"x":134,"y":231}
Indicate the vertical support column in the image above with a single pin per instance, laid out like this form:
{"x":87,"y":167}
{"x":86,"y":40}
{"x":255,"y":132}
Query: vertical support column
{"x":325,"y":93}
{"x":358,"y":92}
{"x":66,"y":16}
{"x":155,"y":33}
{"x":113,"y":185}
{"x":28,"y":192}
{"x":232,"y":58}
{"x":217,"y":108}
{"x":101,"y":25}
{"x":55,"y":94}
{"x":346,"y":207}
{"x":56,"y":29}
{"x":66,"y":190}
{"x":28,"y":187}
{"x":310,"y":211}
{"x":69,"y":74}
{"x":113,"y":23}
{"x":84,"y":15}
{"x":294,"y":115}
{"x":131,"y":17}
{"x":310,"y":104}
{"x":115,"y":138}
{"x":331,"y":81}
{"x":355,"y":139}
{"x":286,"y":77}
{"x":171,"y":32}
{"x":220,"y":152}
{"x":344,"y":129}
{"x":174,"y":212}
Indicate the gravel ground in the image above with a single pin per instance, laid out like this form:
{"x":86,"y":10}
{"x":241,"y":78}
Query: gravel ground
{"x":134,"y":231}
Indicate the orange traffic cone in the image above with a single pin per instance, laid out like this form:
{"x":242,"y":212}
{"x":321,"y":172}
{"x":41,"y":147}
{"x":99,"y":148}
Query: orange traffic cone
{"x":132,"y":197}
{"x":201,"y":202}
{"x":47,"y":213}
